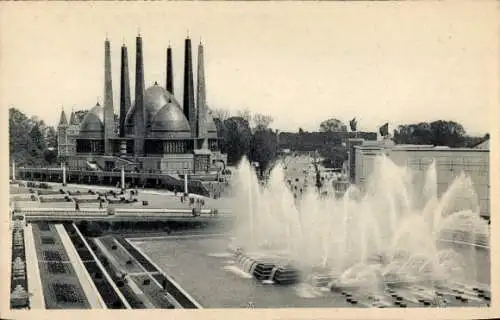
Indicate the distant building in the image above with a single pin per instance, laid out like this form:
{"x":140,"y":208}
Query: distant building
{"x":67,"y":133}
{"x":155,"y":134}
{"x":311,"y":141}
{"x":450,"y":162}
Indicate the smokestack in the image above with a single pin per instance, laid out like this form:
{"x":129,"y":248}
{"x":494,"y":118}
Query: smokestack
{"x":140,"y":125}
{"x":170,"y":71}
{"x":201,"y":100}
{"x":109,"y":121}
{"x":188,"y":103}
{"x":124,"y":91}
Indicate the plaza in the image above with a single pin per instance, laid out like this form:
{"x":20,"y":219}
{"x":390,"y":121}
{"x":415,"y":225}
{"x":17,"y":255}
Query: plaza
{"x":169,"y":158}
{"x":153,"y":253}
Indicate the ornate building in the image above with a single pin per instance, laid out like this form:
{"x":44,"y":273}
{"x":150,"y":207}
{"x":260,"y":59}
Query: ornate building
{"x":67,"y":133}
{"x":155,"y":134}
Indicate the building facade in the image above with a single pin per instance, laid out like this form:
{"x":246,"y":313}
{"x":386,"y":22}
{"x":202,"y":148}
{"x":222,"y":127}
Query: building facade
{"x":155,"y":133}
{"x":67,"y":133}
{"x":450,"y":163}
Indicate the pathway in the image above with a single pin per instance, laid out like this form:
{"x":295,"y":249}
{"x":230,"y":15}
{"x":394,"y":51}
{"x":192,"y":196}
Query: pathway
{"x":37,"y":301}
{"x":88,"y":286}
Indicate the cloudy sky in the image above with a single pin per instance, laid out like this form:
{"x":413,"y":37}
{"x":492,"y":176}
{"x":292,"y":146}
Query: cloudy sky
{"x":299,"y":62}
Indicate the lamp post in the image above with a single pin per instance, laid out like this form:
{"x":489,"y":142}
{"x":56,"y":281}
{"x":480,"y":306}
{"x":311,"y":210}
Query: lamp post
{"x":123,"y":178}
{"x":63,"y":173}
{"x":186,"y":182}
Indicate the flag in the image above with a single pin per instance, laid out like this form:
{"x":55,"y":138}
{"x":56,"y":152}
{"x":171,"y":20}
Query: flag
{"x":353,"y":123}
{"x":384,"y":130}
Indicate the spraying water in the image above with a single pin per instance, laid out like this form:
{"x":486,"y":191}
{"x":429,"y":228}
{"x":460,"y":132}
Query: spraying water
{"x":388,"y":232}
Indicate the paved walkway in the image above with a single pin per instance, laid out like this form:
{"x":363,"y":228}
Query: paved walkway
{"x":91,"y":292}
{"x":37,"y":301}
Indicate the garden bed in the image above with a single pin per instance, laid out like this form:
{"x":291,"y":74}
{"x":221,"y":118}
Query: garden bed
{"x":106,"y":291}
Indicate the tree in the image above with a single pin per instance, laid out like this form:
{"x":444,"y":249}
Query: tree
{"x":263,"y":148}
{"x":221,"y":114}
{"x":332,"y":125}
{"x":437,"y":133}
{"x":50,"y":156}
{"x":221,"y":133}
{"x":334,"y":156}
{"x":246,"y":115}
{"x":447,"y":133}
{"x":51,"y":137}
{"x":29,"y":139}
{"x":36,"y":146}
{"x":237,"y":139}
{"x":420,"y":133}
{"x":19,"y":128}
{"x":261,"y":121}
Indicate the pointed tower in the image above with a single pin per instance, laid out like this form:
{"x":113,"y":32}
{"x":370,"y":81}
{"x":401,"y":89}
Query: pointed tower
{"x":63,"y":120}
{"x":62,"y":135}
{"x":188,"y":102}
{"x":124,"y":90}
{"x":72,"y":133}
{"x":170,"y":71}
{"x":201,"y":105}
{"x":108,"y":110}
{"x":72,"y":118}
{"x":140,"y":124}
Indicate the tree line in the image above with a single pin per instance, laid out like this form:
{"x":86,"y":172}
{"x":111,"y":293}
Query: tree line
{"x":31,"y":141}
{"x":243,"y":133}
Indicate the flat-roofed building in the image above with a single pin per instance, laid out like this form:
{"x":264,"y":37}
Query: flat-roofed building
{"x":450,"y":163}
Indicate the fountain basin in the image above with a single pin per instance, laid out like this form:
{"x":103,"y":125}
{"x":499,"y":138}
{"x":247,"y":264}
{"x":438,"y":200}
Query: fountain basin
{"x":320,"y":280}
{"x":265,"y":269}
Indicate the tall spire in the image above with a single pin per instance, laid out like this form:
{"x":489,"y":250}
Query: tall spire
{"x":72,"y":117}
{"x":109,"y":121}
{"x":188,"y":102}
{"x":63,"y":121}
{"x":124,"y":90}
{"x":201,"y":105}
{"x":140,"y":124}
{"x":170,"y":71}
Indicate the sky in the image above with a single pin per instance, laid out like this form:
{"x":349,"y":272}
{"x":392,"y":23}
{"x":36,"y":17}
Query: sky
{"x":301,"y":63}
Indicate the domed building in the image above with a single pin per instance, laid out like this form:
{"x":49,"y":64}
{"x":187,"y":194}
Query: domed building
{"x":155,"y":133}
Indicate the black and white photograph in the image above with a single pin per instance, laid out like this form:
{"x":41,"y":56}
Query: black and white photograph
{"x":280,"y":156}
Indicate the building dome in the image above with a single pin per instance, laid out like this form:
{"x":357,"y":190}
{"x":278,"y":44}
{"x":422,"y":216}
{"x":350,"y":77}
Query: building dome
{"x":155,"y":98}
{"x":92,"y":126}
{"x":170,"y":123}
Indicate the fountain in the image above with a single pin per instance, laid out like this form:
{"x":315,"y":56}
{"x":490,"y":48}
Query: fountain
{"x":396,"y":231}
